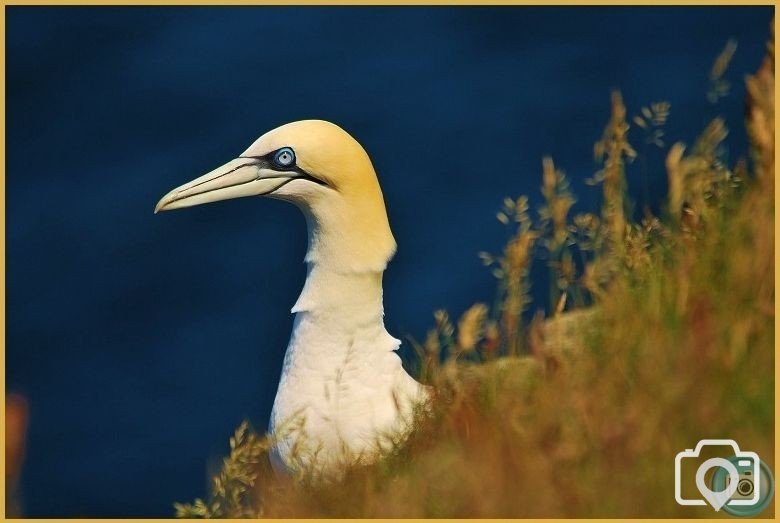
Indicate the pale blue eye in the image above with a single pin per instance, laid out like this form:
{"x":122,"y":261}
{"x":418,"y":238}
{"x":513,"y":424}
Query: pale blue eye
{"x":284,"y":157}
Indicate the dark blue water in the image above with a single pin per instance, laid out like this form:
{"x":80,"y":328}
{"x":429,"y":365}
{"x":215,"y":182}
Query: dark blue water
{"x":141,"y":340}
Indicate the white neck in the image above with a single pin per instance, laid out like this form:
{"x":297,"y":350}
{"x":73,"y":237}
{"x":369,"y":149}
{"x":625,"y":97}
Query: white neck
{"x":340,"y":362}
{"x":343,"y":281}
{"x":341,"y":372}
{"x":345,"y":295}
{"x":336,"y":314}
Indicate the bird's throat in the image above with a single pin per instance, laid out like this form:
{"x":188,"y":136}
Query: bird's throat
{"x":350,"y":236}
{"x":345,"y":297}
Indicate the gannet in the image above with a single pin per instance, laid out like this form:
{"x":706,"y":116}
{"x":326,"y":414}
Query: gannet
{"x":343,"y":395}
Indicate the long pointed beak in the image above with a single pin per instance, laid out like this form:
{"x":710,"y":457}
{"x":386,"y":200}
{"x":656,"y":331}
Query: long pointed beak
{"x":237,"y":178}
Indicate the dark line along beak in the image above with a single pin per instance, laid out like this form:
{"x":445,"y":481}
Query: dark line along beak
{"x":237,"y":178}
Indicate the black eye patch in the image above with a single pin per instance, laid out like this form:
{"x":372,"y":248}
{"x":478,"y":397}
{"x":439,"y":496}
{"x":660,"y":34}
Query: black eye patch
{"x":284,"y":160}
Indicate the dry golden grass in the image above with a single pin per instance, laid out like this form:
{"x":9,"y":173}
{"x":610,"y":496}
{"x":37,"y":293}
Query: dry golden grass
{"x":582,"y":415}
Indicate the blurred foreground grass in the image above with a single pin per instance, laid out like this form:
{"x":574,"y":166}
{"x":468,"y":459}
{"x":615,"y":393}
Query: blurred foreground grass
{"x":662,"y":333}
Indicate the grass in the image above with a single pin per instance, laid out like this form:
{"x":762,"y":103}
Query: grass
{"x":661,"y":333}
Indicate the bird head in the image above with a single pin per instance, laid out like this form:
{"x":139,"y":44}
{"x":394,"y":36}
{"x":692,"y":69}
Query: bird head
{"x":319,"y":167}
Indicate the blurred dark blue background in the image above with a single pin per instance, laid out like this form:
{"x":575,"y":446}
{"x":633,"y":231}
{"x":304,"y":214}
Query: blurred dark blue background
{"x":141,"y":341}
